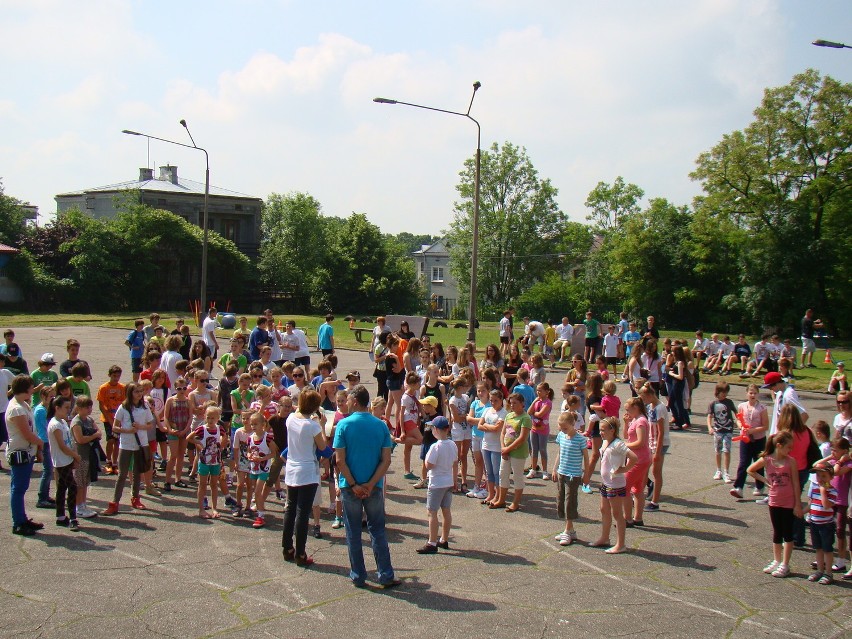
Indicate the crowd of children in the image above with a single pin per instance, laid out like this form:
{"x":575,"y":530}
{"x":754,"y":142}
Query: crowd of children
{"x":174,"y":424}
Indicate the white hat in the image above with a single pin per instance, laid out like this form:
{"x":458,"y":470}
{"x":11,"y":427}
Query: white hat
{"x":47,"y":358}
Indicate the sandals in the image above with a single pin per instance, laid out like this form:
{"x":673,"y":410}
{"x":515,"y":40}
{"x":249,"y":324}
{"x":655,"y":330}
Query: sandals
{"x":512,"y":509}
{"x":181,"y":484}
{"x":289,"y":554}
{"x":494,"y":506}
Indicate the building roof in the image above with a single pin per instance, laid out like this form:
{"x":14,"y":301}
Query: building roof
{"x":189,"y":187}
{"x":4,"y":248}
{"x":436,"y":247}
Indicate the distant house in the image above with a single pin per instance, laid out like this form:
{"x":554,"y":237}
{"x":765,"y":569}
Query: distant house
{"x":9,"y":291}
{"x":433,"y":273}
{"x":235,"y":216}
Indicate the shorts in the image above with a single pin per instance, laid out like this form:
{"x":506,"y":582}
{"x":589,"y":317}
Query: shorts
{"x":609,"y":492}
{"x":4,"y":433}
{"x":108,"y":431}
{"x":722,"y":442}
{"x":822,"y":536}
{"x":808,"y":345}
{"x":275,"y":469}
{"x":209,"y":470}
{"x":160,"y":436}
{"x":258,"y":476}
{"x":172,"y":438}
{"x":135,"y":364}
{"x":327,"y":351}
{"x":611,"y":361}
{"x":548,"y":350}
{"x":504,"y":340}
{"x":425,"y":449}
{"x":394,"y":383}
{"x":841,"y":520}
{"x":460,"y":433}
{"x":439,"y":498}
{"x":475,"y":443}
{"x":152,"y":446}
{"x":591,"y":342}
{"x":407,"y":427}
{"x":637,"y":478}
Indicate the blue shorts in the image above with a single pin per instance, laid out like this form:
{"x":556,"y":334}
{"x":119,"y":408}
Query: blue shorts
{"x":209,"y":470}
{"x":135,"y":364}
{"x":259,"y":476}
{"x":822,"y":536}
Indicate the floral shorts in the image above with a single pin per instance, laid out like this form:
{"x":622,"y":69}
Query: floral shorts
{"x":608,"y":492}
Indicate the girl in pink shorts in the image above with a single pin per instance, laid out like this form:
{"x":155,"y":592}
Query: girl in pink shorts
{"x":637,"y":477}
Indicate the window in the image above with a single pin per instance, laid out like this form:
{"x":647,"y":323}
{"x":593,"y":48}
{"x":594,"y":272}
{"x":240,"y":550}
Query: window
{"x":437,"y":273}
{"x":238,"y":207}
{"x":231,"y":230}
{"x":422,"y":267}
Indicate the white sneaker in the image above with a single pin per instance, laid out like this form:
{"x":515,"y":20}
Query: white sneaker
{"x":728,"y":479}
{"x":87,"y":513}
{"x":561,"y":536}
{"x":471,"y":493}
{"x":481,"y":493}
{"x":763,"y":501}
{"x":736,"y":492}
{"x":545,"y":476}
{"x":532,"y":474}
{"x":770,"y":567}
{"x":717,"y":474}
{"x":757,"y":492}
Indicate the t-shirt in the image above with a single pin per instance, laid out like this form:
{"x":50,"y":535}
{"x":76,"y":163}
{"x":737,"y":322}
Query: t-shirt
{"x":564,"y":332}
{"x":302,"y":465}
{"x":654,"y":415}
{"x":513,"y":430}
{"x":742,"y":350}
{"x":461,"y":405}
{"x":841,"y":484}
{"x":571,"y":451}
{"x":443,"y":454}
{"x":541,"y":425}
{"x":592,"y":328}
{"x":630,"y":338}
{"x":549,"y":335}
{"x":700,"y":344}
{"x":491,"y":439}
{"x":610,"y":404}
{"x":258,"y":337}
{"x":843,"y":426}
{"x":610,"y":343}
{"x":66,"y":366}
{"x":652,"y":366}
{"x":819,"y":512}
{"x":208,"y":332}
{"x":58,"y":429}
{"x":143,"y":415}
{"x":363,"y":437}
{"x":48,"y":378}
{"x":410,"y":410}
{"x":505,"y":327}
{"x":723,"y":411}
{"x":325,"y":334}
{"x":807,"y":327}
{"x":478,"y":410}
{"x":643,"y":453}
{"x":211,"y":444}
{"x":79,"y":388}
{"x":613,"y":457}
{"x":779,"y":478}
{"x":298,"y":339}
{"x":16,"y":437}
{"x":528,"y":393}
{"x":40,"y":419}
{"x":110,"y":397}
{"x":136,"y":339}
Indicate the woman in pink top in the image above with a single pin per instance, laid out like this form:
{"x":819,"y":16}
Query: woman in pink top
{"x":785,"y":503}
{"x":839,"y":459}
{"x":791,"y":420}
{"x":637,"y":477}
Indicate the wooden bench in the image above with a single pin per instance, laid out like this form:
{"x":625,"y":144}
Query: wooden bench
{"x":359,"y":333}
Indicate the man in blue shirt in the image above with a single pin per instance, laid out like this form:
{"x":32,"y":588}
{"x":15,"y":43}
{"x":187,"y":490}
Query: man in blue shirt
{"x":631,"y":337}
{"x":136,"y":343}
{"x":325,"y":336}
{"x":259,"y":337}
{"x":362,"y":447}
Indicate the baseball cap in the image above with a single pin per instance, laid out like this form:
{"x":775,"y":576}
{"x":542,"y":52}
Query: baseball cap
{"x":820,"y":466}
{"x":770,"y":379}
{"x":432,"y":401}
{"x":47,"y":358}
{"x":353,"y":375}
{"x":439,"y":422}
{"x":13,"y":349}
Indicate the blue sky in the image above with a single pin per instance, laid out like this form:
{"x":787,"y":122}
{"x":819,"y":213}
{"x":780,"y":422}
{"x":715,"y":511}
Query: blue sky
{"x":280,"y":93}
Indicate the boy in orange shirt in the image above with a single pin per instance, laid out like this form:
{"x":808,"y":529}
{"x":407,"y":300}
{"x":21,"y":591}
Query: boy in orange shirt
{"x":110,"y":396}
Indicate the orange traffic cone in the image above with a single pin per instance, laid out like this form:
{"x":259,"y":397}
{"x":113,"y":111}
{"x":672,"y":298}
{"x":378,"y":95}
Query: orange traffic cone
{"x":827,"y":359}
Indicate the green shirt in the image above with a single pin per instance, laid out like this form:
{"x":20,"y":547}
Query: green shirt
{"x":79,"y":388}
{"x":514,"y":425}
{"x":592,"y":328}
{"x":241,"y":361}
{"x":48,"y":378}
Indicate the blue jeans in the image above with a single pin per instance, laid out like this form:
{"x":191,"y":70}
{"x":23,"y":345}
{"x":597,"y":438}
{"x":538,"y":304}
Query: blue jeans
{"x":20,"y":485}
{"x":46,"y":474}
{"x":374,"y":506}
{"x":492,"y":459}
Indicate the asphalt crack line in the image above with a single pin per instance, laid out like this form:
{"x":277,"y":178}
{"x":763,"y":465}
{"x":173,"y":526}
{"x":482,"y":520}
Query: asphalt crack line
{"x":664,"y":595}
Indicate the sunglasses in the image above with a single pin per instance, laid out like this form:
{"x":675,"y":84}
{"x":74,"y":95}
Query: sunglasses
{"x":257,"y":376}
{"x":180,"y":388}
{"x":298,"y":375}
{"x":203,"y":379}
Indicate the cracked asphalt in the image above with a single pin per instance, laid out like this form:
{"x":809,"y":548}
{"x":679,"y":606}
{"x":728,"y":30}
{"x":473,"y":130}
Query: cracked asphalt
{"x":694,"y":570}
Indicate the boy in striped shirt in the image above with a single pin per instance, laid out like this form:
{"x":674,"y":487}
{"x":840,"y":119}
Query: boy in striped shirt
{"x":569,"y":469}
{"x":822,"y":497}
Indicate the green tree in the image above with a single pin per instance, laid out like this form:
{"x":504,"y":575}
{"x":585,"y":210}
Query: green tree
{"x":520,"y":226}
{"x":784,"y":182}
{"x":410,"y":242}
{"x":11,"y":219}
{"x":612,"y":204}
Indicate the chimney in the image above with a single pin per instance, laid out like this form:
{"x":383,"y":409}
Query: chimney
{"x":168,"y":173}
{"x":146,"y":174}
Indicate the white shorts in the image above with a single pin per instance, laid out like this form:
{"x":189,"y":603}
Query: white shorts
{"x":476,"y":444}
{"x":460,"y":433}
{"x":808,"y":345}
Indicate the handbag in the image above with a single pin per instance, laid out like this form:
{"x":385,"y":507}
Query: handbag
{"x":144,"y":457}
{"x":18,"y":457}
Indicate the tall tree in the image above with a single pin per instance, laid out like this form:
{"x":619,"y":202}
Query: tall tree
{"x":784,"y":180}
{"x":520,"y":226}
{"x":411,"y":242}
{"x":612,"y":204}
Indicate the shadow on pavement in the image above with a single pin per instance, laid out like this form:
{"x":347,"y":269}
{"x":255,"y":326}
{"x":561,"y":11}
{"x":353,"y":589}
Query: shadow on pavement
{"x":683,"y":532}
{"x":420,"y":594}
{"x":688,"y":503}
{"x":678,"y":561}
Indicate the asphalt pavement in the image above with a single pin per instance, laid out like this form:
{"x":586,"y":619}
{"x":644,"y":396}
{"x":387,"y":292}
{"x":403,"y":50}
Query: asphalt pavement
{"x":694,"y":570}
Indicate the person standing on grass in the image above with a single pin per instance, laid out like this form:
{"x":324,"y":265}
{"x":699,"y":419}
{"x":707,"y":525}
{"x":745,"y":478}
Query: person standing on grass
{"x":362,"y":447}
{"x":325,"y":336}
{"x":808,"y":345}
{"x":208,"y":332}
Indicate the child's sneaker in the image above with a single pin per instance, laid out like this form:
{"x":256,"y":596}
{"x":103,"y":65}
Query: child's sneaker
{"x":427,"y":549}
{"x":839,"y":566}
{"x":762,"y":501}
{"x":230,"y":502}
{"x":260,"y":522}
{"x":781,"y":571}
{"x":570,"y":539}
{"x":420,"y":484}
{"x":545,"y":477}
{"x":728,"y":479}
{"x":481,"y":493}
{"x":652,"y":505}
{"x":317,"y":531}
{"x":112,"y":508}
{"x":471,"y":493}
{"x":815,"y":576}
{"x":770,"y":567}
{"x":74,"y":526}
{"x":847,"y":576}
{"x":736,"y":492}
{"x":137,"y":504}
{"x":63,"y":522}
{"x":338,"y":523}
{"x":561,"y":536}
{"x":717,"y":475}
{"x":532,"y":474}
{"x":587,"y":489}
{"x":757,"y":492}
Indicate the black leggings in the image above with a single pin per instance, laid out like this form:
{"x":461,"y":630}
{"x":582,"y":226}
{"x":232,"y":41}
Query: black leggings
{"x":300,"y":501}
{"x":782,"y":524}
{"x":749,"y":453}
{"x":66,"y":491}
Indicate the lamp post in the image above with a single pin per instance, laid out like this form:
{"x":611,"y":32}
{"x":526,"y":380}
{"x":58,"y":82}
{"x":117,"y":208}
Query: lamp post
{"x":471,"y":333}
{"x":203,"y":306}
{"x":830,"y":44}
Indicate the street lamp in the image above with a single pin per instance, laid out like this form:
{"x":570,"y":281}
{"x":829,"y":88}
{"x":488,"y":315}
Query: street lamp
{"x":830,"y":44}
{"x":471,"y":333}
{"x":203,"y":306}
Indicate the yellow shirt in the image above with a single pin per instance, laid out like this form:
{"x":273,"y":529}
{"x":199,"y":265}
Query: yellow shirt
{"x":549,"y":335}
